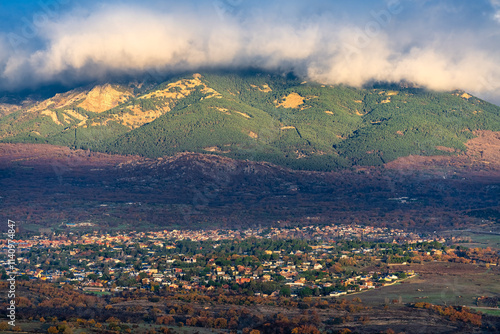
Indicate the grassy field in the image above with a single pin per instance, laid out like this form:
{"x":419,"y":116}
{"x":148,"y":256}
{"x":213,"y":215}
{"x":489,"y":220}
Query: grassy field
{"x":98,"y":293}
{"x":439,"y":283}
{"x":482,"y":240}
{"x":492,"y":312}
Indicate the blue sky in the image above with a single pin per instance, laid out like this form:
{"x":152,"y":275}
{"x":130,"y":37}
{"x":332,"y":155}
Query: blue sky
{"x":450,"y":44}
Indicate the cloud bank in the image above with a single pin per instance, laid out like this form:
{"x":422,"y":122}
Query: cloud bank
{"x":442,"y":45}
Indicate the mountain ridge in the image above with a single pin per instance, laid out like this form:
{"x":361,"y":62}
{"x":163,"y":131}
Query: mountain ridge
{"x":257,"y":116}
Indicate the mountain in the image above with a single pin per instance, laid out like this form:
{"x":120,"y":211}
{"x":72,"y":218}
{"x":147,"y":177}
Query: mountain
{"x":256,"y":116}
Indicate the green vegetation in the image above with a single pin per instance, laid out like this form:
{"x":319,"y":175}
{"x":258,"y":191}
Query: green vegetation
{"x":492,"y":312}
{"x":328,"y":127}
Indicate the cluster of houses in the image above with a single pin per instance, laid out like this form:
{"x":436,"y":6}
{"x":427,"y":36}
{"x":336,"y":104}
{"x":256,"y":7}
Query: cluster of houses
{"x":88,"y":275}
{"x":325,"y":233}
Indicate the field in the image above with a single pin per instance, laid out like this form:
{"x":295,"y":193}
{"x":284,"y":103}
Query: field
{"x":489,"y":311}
{"x":479,"y":239}
{"x":441,"y":283}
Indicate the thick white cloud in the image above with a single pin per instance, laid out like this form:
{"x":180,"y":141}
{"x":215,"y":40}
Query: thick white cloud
{"x":323,"y":45}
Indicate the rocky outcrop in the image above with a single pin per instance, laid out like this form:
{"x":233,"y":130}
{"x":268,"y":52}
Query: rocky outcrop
{"x":102,"y":98}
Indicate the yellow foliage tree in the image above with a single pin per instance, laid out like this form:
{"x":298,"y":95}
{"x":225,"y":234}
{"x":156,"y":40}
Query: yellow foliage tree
{"x":52,"y":330}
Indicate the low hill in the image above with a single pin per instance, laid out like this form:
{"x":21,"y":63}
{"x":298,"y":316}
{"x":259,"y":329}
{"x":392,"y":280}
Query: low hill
{"x":257,"y":116}
{"x":194,"y":190}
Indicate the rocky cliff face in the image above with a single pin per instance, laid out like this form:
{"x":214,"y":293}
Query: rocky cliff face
{"x":102,"y":98}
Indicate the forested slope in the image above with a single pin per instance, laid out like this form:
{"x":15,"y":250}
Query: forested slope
{"x":257,"y":116}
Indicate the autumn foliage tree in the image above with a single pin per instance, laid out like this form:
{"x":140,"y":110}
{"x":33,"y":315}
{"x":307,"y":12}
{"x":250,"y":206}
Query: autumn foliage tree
{"x":306,"y":329}
{"x":52,"y":330}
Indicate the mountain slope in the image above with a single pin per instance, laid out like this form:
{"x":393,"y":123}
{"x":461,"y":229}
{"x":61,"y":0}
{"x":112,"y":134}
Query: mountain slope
{"x":259,"y":117}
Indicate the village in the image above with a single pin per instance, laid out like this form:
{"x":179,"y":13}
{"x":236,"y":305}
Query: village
{"x":296,"y":262}
{"x":326,"y":233}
